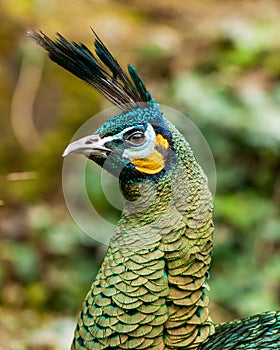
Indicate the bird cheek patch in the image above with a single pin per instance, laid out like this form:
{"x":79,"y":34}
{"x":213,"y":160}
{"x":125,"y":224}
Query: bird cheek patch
{"x":152,"y":164}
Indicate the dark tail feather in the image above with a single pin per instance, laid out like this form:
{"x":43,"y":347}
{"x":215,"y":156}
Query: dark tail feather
{"x":102,"y":72}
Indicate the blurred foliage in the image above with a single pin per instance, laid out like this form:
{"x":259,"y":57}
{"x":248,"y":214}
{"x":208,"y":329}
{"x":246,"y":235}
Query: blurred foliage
{"x":219,"y":63}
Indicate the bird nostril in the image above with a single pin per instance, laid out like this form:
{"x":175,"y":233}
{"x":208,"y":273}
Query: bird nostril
{"x":91,"y":139}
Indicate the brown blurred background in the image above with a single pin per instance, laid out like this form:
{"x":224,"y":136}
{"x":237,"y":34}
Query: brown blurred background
{"x":218,"y":62}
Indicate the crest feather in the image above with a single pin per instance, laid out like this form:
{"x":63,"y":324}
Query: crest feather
{"x":102,"y":71}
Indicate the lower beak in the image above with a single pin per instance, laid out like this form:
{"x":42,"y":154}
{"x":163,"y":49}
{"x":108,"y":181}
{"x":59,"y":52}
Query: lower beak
{"x":88,"y":145}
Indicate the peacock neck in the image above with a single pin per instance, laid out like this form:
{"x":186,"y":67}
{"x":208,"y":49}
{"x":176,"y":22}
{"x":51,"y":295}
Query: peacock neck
{"x":173,"y":217}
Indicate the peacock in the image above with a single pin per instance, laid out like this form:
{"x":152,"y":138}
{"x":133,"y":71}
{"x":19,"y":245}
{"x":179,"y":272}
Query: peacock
{"x":151,"y":289}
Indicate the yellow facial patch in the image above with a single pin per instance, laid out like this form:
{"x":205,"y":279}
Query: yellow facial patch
{"x":161,"y":141}
{"x":154,"y":162}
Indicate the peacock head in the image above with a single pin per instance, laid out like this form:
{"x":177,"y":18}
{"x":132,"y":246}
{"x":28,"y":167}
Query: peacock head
{"x":133,"y":145}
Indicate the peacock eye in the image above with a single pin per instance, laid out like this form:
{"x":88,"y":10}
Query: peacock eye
{"x":137,"y":138}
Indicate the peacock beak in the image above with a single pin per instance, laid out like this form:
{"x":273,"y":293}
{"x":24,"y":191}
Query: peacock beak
{"x":88,"y":145}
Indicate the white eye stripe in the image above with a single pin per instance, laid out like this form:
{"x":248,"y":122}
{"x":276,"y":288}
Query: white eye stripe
{"x":119,"y":136}
{"x":135,"y":152}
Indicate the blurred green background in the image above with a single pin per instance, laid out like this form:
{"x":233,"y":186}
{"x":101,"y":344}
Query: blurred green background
{"x":216,"y":61}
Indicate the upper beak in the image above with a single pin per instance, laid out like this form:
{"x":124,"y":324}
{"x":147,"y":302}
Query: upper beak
{"x":92,"y":144}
